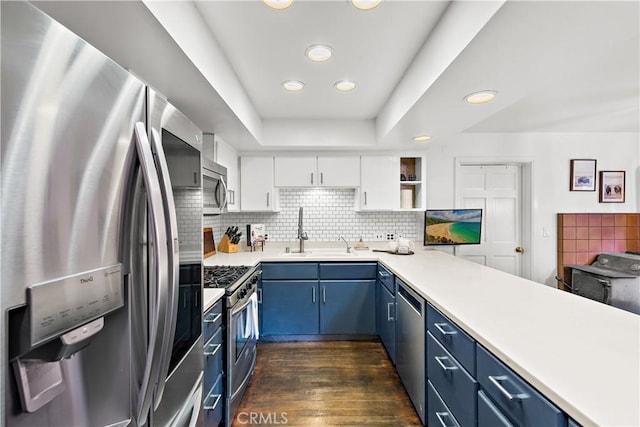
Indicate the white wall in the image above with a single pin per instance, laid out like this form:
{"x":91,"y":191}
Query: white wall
{"x":550,"y":155}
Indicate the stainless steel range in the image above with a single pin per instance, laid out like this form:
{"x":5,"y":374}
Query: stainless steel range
{"x":241,"y":327}
{"x":613,"y":278}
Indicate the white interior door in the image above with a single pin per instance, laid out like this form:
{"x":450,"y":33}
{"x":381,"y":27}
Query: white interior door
{"x":497,"y":190}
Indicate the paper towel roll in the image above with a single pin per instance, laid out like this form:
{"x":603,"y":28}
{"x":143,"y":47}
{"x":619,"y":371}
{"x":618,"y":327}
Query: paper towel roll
{"x":406,"y":199}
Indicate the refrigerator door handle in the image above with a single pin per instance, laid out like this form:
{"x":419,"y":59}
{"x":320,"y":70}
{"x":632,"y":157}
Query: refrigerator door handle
{"x":160,"y":249}
{"x":173,"y":265}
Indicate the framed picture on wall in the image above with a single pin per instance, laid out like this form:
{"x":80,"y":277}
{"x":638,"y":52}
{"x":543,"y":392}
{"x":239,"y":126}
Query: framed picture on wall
{"x":612,"y":186}
{"x":583,"y":175}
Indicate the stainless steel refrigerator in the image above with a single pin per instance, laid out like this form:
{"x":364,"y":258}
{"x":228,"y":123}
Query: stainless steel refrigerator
{"x":101,"y":238}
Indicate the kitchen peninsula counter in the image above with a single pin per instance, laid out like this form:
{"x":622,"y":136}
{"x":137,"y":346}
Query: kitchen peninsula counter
{"x":582,"y":355}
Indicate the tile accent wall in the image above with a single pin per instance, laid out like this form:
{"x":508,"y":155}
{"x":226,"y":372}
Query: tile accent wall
{"x":189,"y":209}
{"x":581,"y":237}
{"x":328,"y":213}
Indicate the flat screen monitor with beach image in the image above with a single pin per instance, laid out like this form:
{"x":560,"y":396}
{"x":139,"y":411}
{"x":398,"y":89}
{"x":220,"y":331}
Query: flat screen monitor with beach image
{"x":452,"y":227}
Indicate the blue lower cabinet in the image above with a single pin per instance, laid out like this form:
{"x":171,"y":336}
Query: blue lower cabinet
{"x":386,"y":318}
{"x":290,"y":307}
{"x":213,"y":404}
{"x":518,"y":400}
{"x":212,"y":359}
{"x":573,"y":423}
{"x":438,"y":414}
{"x":348,"y":270}
{"x":347,"y":307}
{"x":456,"y":386}
{"x":489,"y":415}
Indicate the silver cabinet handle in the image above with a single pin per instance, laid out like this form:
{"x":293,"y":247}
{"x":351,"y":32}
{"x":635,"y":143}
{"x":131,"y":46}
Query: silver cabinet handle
{"x":441,"y":416}
{"x":267,"y":199}
{"x":159,"y":303}
{"x":212,"y":318}
{"x":439,"y":327}
{"x":311,"y":178}
{"x":324,"y":294}
{"x":365,"y":198}
{"x":389,"y":305}
{"x":259,"y":296}
{"x":313,"y":294}
{"x":498,"y":380}
{"x":440,"y":359}
{"x":172,"y":264}
{"x":195,"y":177}
{"x":321,"y":177}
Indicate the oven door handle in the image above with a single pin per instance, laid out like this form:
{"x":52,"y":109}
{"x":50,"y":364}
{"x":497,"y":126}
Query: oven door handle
{"x":173,"y":265}
{"x":607,"y":290}
{"x":243,"y":306}
{"x":158,"y":232}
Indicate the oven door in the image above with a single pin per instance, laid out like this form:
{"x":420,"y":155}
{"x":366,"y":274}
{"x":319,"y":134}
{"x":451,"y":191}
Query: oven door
{"x":242,"y":337}
{"x":591,"y":286}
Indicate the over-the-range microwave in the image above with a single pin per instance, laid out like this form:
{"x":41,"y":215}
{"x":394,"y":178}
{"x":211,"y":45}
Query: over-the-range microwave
{"x":214,"y":188}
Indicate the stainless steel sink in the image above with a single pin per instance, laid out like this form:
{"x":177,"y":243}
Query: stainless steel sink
{"x":321,"y":252}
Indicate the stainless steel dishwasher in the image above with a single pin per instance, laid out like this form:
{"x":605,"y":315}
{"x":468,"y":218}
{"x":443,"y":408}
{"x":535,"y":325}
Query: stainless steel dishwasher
{"x":410,"y":336}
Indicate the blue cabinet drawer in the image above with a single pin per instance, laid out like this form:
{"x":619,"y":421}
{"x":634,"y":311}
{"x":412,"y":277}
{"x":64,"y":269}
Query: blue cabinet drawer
{"x":457,"y":388}
{"x":455,"y":340}
{"x":212,"y":359}
{"x":213,"y":404}
{"x":386,"y":278}
{"x":348,"y":270}
{"x":212,"y":320}
{"x":290,"y":270}
{"x":489,"y":415}
{"x":515,"y":397}
{"x":438,"y":414}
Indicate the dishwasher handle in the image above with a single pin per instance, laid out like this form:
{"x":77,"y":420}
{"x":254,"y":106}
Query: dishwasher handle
{"x":411,"y":298}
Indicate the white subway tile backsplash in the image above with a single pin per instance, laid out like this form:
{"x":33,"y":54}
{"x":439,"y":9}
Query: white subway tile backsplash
{"x":189,"y":210}
{"x":328,"y":213}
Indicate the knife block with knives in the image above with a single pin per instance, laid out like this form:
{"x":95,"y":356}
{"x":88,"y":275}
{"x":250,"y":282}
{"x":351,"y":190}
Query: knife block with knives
{"x":230,"y":240}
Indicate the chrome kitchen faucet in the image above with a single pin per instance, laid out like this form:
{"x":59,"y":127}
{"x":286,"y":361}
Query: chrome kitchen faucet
{"x":345,"y":240}
{"x":302,"y":235}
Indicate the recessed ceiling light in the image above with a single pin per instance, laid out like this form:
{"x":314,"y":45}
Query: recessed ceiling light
{"x":278,"y":4}
{"x":319,"y":52}
{"x":421,"y":138}
{"x":345,"y":85}
{"x":365,"y":4}
{"x":480,"y":97}
{"x":293,"y":85}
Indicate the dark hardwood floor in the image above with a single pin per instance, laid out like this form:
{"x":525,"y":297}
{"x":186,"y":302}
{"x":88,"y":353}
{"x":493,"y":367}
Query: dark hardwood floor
{"x":335,"y":383}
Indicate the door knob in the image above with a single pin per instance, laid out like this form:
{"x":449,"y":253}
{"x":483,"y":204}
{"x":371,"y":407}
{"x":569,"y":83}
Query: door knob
{"x":520,"y":249}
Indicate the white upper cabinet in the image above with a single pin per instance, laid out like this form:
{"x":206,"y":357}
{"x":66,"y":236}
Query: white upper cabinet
{"x":379,"y":190}
{"x":339,"y":171}
{"x":257,"y":192}
{"x":227,"y":156}
{"x":296,"y":172}
{"x":322,"y":171}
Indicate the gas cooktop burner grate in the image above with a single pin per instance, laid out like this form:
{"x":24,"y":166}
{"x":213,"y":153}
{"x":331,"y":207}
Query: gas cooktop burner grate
{"x":222,"y":276}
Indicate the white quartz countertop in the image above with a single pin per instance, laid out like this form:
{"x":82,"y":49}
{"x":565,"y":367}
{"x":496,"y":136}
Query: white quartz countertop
{"x":211,"y":296}
{"x":582,"y":355}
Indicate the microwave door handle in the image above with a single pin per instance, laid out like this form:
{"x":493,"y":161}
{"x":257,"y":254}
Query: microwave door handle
{"x":173,"y":265}
{"x":224,"y":186}
{"x":158,"y":236}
